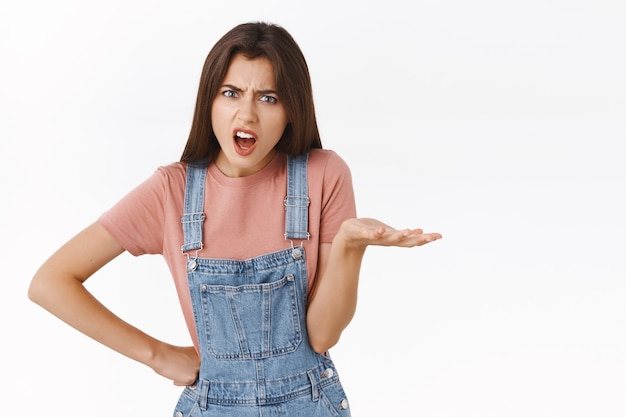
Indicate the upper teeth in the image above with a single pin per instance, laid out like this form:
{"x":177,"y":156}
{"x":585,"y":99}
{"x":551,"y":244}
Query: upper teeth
{"x":244,"y":135}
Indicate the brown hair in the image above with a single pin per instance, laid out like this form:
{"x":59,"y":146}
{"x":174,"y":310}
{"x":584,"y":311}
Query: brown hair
{"x":293,"y":84}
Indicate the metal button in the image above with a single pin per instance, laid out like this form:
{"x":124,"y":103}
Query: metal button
{"x":343,"y":405}
{"x":179,"y":414}
{"x":192,"y":265}
{"x":297,"y":253}
{"x":328,"y":373}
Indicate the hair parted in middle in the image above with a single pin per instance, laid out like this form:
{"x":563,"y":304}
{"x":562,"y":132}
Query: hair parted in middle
{"x":293,"y":84}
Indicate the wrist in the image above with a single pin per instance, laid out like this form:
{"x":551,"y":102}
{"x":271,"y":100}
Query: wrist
{"x":346,"y":241}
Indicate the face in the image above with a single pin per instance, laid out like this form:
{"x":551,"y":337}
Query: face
{"x":247,"y":116}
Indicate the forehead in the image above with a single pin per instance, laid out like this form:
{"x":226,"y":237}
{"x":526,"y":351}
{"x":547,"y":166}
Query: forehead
{"x":256,"y":71}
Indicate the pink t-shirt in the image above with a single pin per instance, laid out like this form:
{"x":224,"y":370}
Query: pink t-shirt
{"x":245,"y":217}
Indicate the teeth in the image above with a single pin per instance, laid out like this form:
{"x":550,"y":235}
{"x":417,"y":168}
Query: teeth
{"x":244,"y":135}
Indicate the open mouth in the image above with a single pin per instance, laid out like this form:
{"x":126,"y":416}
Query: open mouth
{"x":245,"y":141}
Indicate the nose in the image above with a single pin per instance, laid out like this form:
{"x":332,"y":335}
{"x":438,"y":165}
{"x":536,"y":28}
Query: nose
{"x":247,"y":111}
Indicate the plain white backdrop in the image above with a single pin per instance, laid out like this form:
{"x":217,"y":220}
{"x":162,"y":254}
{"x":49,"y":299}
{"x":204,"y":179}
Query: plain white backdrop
{"x":499,"y":124}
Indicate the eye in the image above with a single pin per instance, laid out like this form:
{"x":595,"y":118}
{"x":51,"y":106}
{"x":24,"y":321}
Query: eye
{"x":229,"y":93}
{"x":268,"y":99}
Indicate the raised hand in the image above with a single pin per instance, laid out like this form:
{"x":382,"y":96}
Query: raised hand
{"x":359,"y":233}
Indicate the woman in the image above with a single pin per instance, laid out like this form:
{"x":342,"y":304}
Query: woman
{"x":258,"y":226}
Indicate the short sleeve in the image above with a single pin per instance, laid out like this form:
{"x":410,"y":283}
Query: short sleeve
{"x":137,"y":221}
{"x":338,"y":202}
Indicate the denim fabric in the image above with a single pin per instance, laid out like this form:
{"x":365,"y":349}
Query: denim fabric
{"x":250,"y":318}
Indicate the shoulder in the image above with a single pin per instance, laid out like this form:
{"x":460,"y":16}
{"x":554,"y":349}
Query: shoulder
{"x":329,"y":171}
{"x":327,"y":161}
{"x":160,"y":185}
{"x":174,"y":171}
{"x":167,"y":177}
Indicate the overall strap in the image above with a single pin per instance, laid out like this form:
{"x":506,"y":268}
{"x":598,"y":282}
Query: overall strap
{"x":296,"y":203}
{"x":193,"y":216}
{"x":297,"y":199}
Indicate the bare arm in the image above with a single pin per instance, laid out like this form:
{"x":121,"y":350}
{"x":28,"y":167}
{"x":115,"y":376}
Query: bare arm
{"x":58,"y":287}
{"x":333,"y":300}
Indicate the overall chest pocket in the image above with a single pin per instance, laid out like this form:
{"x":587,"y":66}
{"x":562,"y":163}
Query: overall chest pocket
{"x":251,"y":321}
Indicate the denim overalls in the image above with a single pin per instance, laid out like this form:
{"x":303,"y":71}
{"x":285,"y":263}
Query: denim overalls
{"x":250,"y":319}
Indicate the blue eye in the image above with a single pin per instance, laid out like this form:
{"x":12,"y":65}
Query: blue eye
{"x":229,"y":93}
{"x":269,"y":99}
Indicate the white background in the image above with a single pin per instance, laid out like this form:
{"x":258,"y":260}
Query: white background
{"x":499,"y":124}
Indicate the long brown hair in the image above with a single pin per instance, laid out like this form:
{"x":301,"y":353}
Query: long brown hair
{"x":293,"y":84}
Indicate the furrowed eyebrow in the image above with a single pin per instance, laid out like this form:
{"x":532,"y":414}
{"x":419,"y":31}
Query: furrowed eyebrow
{"x":231,"y":87}
{"x":262,"y":92}
{"x":266,"y":92}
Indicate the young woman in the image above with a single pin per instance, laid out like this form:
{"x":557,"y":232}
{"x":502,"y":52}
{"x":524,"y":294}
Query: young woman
{"x":258,"y":226}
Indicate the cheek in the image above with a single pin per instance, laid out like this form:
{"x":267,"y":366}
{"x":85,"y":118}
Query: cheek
{"x":215,"y":113}
{"x":280,"y":123}
{"x":218,"y":120}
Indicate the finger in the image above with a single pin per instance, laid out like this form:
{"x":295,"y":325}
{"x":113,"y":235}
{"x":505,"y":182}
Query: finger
{"x":401,"y":237}
{"x":430,"y":237}
{"x":184,"y":384}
